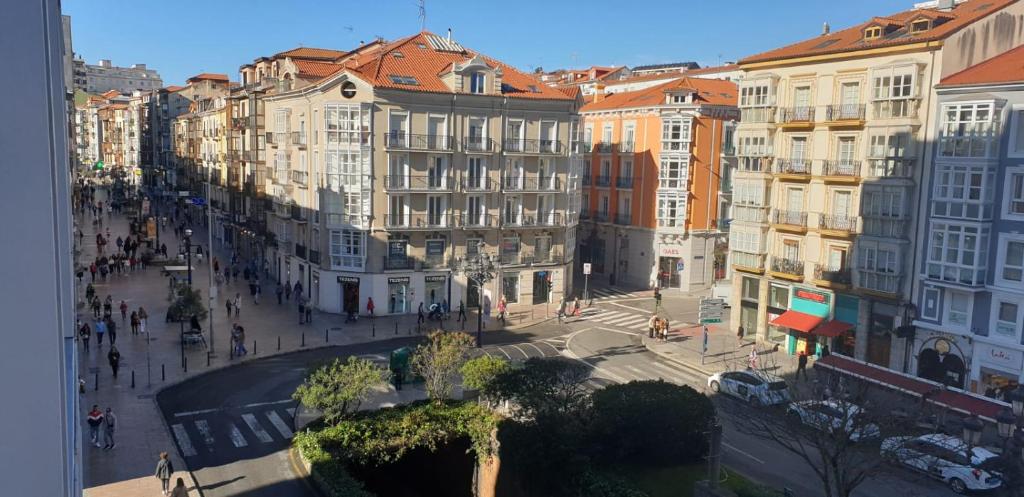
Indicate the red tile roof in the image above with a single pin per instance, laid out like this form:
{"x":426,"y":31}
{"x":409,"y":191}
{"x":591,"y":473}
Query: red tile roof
{"x":111,"y":94}
{"x":852,"y":39}
{"x":1007,"y":67}
{"x":709,"y":91}
{"x":311,"y":53}
{"x":417,"y":58}
{"x":209,"y":76}
{"x":174,"y":88}
{"x":316,"y":70}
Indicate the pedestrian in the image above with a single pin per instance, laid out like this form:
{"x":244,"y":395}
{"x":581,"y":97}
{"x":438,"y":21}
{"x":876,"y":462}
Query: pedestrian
{"x":109,"y":422}
{"x":245,"y":274}
{"x":576,"y":307}
{"x":739,"y":337}
{"x":100,"y":327}
{"x":114,"y":358}
{"x":124,"y":311}
{"x":95,"y":307}
{"x":238,"y":334}
{"x":84,"y":332}
{"x":561,"y":310}
{"x":397,"y":376}
{"x":801,"y":364}
{"x":227,"y":306}
{"x":280,"y":292}
{"x":825,"y":351}
{"x":135,"y":323}
{"x":92,"y":271}
{"x":143,"y":319}
{"x":651,"y":325}
{"x":163,"y":250}
{"x":108,"y":306}
{"x":216,"y":266}
{"x":95,"y":419}
{"x":309,"y":311}
{"x":164,"y":470}
{"x":752,"y":359}
{"x":462,"y":312}
{"x":302,"y":308}
{"x":256,"y":296}
{"x":370,"y":306}
{"x":112,"y":330}
{"x":179,"y":488}
{"x":419,"y":315}
{"x":237,"y":304}
{"x":664,"y":329}
{"x":227,"y":274}
{"x":502,"y":308}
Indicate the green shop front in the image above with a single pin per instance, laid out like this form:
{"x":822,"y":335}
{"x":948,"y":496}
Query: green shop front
{"x":816,"y":318}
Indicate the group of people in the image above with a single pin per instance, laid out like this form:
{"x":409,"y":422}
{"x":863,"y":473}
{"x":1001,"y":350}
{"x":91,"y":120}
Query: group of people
{"x":101,"y":427}
{"x":564,"y":309}
{"x":657,"y":327}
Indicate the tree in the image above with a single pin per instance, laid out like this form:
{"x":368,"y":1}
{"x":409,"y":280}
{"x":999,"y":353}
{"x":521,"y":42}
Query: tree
{"x":439,"y":360}
{"x":339,"y":388}
{"x":186,"y":302}
{"x":653,"y":421}
{"x":542,"y":387}
{"x":479,"y":372}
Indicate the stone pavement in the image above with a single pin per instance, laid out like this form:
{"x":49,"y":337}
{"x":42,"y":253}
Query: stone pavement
{"x":127,"y":470}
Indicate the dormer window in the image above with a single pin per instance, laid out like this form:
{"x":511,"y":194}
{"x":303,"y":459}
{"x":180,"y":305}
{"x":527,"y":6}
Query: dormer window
{"x":920,"y":25}
{"x":872,"y":33}
{"x":476,"y":83}
{"x":677,"y":98}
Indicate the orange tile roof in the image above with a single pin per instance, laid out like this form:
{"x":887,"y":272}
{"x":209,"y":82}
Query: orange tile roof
{"x":111,"y":94}
{"x":419,"y":60}
{"x":174,"y":88}
{"x":852,"y":39}
{"x":312,"y":53}
{"x":209,"y":76}
{"x":1007,"y":67}
{"x":316,"y":70}
{"x":709,"y":91}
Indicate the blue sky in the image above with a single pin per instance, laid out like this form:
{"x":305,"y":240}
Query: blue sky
{"x":180,"y":38}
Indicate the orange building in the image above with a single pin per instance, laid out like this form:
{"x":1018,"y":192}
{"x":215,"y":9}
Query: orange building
{"x":653,"y":183}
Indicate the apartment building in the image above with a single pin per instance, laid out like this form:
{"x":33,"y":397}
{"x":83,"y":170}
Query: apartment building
{"x":669,"y":67}
{"x":833,"y":135}
{"x":105,"y":76}
{"x":200,"y":146}
{"x":405,"y":160}
{"x":970,"y":300}
{"x":655,"y":183}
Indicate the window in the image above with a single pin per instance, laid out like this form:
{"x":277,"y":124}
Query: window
{"x":872,"y":33}
{"x":403,"y":80}
{"x":671,"y":209}
{"x":963,"y":191}
{"x":958,"y":312}
{"x":930,"y":306}
{"x":515,"y":134}
{"x":626,"y":169}
{"x":968,"y":130}
{"x":347,"y":249}
{"x":606,"y":134}
{"x":878,"y":259}
{"x":477,"y":82}
{"x":920,"y":25}
{"x":675,"y":135}
{"x":673,"y":173}
{"x":473,"y":247}
{"x":957,"y":253}
{"x":510,"y":287}
{"x":1016,"y":148}
{"x":893,"y":84}
{"x":1007,"y":320}
{"x":1011,"y":253}
{"x":883,"y":202}
{"x":754,"y":96}
{"x":628,"y":137}
{"x":751,"y":288}
{"x":742,"y":240}
{"x":1014,"y":205}
{"x":778,"y":296}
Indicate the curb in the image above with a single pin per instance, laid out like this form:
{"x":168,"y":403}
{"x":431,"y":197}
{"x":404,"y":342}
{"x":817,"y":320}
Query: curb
{"x":678,"y":362}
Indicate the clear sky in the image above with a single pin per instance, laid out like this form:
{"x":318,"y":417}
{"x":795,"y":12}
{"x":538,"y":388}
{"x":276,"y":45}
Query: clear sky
{"x":180,"y":38}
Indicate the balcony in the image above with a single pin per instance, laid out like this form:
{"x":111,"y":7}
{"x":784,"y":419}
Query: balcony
{"x":757,"y":115}
{"x":831,"y":276}
{"x":837,"y":225}
{"x":297,"y":213}
{"x":882,"y":283}
{"x":891,"y":167}
{"x":533,"y":220}
{"x":399,"y":263}
{"x":756,"y":214}
{"x":895,"y":109}
{"x":601,"y":217}
{"x":626,"y":147}
{"x":535,"y":184}
{"x":751,"y":263}
{"x":789,"y":220}
{"x":529,"y":146}
{"x":510,"y":259}
{"x":582,"y":147}
{"x":798,"y":169}
{"x":604,"y":181}
{"x":423,"y":183}
{"x":417,"y":222}
{"x":300,"y":250}
{"x":299,"y":138}
{"x":403,"y":141}
{"x":624,"y":182}
{"x":839,"y":115}
{"x":797,"y":116}
{"x":604,"y":148}
{"x":477,"y":144}
{"x":300,"y":178}
{"x":477,"y":184}
{"x":624,"y":219}
{"x":843,"y":170}
{"x":754,"y":164}
{"x":586,"y":180}
{"x":467,"y":220}
{"x":791,"y":269}
{"x":886,"y":227}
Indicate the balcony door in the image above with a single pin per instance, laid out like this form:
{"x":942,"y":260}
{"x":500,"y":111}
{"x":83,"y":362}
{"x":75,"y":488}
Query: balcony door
{"x":837,"y":257}
{"x":545,"y":175}
{"x":802,"y":101}
{"x":846,"y":150}
{"x":795,"y":200}
{"x":798,"y":152}
{"x":545,"y":209}
{"x":437,"y":171}
{"x":398,"y":210}
{"x":437,"y":206}
{"x":547,"y":136}
{"x":513,"y":209}
{"x":477,"y":172}
{"x":515,"y":135}
{"x":437,"y":132}
{"x":514,"y":174}
{"x":398,"y":171}
{"x":841,"y":205}
{"x":791,"y":250}
{"x":477,"y":130}
{"x":475,"y":210}
{"x":398,"y":129}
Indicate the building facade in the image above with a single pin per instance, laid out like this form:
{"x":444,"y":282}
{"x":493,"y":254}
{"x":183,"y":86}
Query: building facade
{"x":970,"y":300}
{"x":653,"y":189}
{"x":833,"y":135}
{"x":405,"y":160}
{"x":105,"y":76}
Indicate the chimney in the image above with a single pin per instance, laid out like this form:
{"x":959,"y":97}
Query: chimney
{"x":825,"y":29}
{"x":945,"y":5}
{"x":449,"y":34}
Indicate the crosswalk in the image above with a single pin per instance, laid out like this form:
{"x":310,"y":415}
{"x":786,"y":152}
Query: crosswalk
{"x":618,"y":319}
{"x":240,"y":429}
{"x":605,"y":293}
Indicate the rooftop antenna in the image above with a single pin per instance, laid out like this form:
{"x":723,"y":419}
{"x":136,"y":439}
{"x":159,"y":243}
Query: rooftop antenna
{"x":423,"y":14}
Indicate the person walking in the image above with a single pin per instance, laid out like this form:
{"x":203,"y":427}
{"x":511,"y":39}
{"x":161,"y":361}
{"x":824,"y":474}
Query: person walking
{"x":95,"y":420}
{"x":576,"y":307}
{"x":280,"y":292}
{"x":100,"y":328}
{"x":143,"y":319}
{"x":302,"y":308}
{"x":180,"y":490}
{"x":651,"y":325}
{"x":109,"y":423}
{"x":92,"y":271}
{"x":462,"y":312}
{"x":164,"y":470}
{"x":112,"y":329}
{"x":419,"y":315}
{"x":134,"y":321}
{"x":309,"y":311}
{"x":370,"y":306}
{"x":227,"y":306}
{"x":259,"y":291}
{"x":561,"y":310}
{"x":95,"y":307}
{"x":502,"y":309}
{"x":287,"y":291}
{"x":237,"y":304}
{"x":801,"y":365}
{"x":84,"y":332}
{"x":114,"y":357}
{"x":752,"y":359}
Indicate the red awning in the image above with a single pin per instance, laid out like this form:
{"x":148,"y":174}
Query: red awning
{"x":797,"y":320}
{"x":955,"y":399}
{"x":833,"y":329}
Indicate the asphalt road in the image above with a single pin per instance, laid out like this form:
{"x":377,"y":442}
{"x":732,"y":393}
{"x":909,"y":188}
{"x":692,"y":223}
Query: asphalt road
{"x":233,"y":425}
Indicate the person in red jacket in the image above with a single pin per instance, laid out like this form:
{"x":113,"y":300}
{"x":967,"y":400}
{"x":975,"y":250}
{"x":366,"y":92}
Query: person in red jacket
{"x":95,"y":419}
{"x":370,"y":306}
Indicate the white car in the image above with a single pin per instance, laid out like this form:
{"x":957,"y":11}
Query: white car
{"x":943,"y":457}
{"x":749,"y":386}
{"x":835,"y":416}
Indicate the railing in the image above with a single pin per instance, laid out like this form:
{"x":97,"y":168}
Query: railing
{"x":791,"y":218}
{"x":844,"y":112}
{"x":843,"y":167}
{"x":797,"y":114}
{"x":832,"y":274}
{"x":417,"y":221}
{"x":396,"y":263}
{"x":891,"y":167}
{"x":624,"y":182}
{"x":510,"y":259}
{"x":624,"y":219}
{"x":296,"y":213}
{"x":895,"y":109}
{"x":788,"y":266}
{"x":750,"y":213}
{"x":477,"y":184}
{"x":531,"y":146}
{"x":601,"y":217}
{"x":522,"y":183}
{"x":543,"y":219}
{"x":837,"y":223}
{"x":604,"y":180}
{"x":885,"y":227}
{"x":314,"y":256}
{"x":468,"y":220}
{"x":416,"y":182}
{"x":300,"y":250}
{"x":793,"y":166}
{"x":418,"y":142}
{"x":477,"y":144}
{"x":582,"y":147}
{"x":744,"y":259}
{"x":754,"y":164}
{"x":586,"y":180}
{"x":299,"y":138}
{"x":300,"y":177}
{"x":878,"y":281}
{"x":334,"y":219}
{"x":626,"y":147}
{"x":757,"y":115}
{"x":605,"y":147}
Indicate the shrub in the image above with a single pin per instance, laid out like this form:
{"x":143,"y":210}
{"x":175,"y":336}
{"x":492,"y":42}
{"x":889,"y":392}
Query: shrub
{"x":339,"y":388}
{"x":544,"y":387}
{"x":438,"y":361}
{"x":478,"y":373}
{"x":186,"y":303}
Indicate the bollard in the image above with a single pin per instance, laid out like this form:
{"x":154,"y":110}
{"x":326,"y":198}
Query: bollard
{"x":396,"y":326}
{"x":96,"y":386}
{"x":278,"y":342}
{"x":133,"y":378}
{"x":327,"y":335}
{"x":163,"y":374}
{"x":303,"y":339}
{"x":373,"y":329}
{"x":254,"y":347}
{"x":184,"y":363}
{"x":207,"y":358}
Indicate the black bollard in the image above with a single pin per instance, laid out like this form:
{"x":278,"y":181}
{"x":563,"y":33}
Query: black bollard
{"x":373,"y":329}
{"x":96,"y":386}
{"x":163,"y":374}
{"x":207,"y":358}
{"x":254,"y":347}
{"x":133,"y":378}
{"x":278,"y":342}
{"x":303,"y":339}
{"x":396,"y":326}
{"x":184,"y":364}
{"x":327,"y":335}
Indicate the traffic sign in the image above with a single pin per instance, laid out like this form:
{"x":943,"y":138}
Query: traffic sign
{"x":586,"y":268}
{"x":711,"y":320}
{"x":198,"y":201}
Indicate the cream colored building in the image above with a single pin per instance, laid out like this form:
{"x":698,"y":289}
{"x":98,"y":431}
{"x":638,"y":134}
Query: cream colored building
{"x":391,"y":171}
{"x":833,"y":134}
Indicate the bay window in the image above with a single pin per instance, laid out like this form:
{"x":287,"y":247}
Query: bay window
{"x":348,"y":249}
{"x":968,"y":130}
{"x":671,"y":209}
{"x":675,"y":135}
{"x":673,"y":173}
{"x":963,"y":191}
{"x":957,"y":253}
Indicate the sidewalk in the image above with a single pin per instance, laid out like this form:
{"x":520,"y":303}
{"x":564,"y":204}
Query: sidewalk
{"x":684,"y":348}
{"x":270,"y":329}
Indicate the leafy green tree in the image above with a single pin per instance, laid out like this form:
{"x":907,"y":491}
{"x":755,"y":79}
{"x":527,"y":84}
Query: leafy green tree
{"x":339,"y":388}
{"x":185,"y":303}
{"x":439,"y":360}
{"x":544,"y":387}
{"x":651,"y":421}
{"x":478,"y":373}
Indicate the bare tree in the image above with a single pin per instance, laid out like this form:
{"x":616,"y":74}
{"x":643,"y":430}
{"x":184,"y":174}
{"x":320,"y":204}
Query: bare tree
{"x":439,"y":360}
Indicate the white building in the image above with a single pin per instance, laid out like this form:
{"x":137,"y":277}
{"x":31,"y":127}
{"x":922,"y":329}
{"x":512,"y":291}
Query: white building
{"x":105,"y":76}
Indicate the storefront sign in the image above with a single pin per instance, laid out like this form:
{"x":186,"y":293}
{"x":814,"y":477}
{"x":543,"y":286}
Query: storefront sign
{"x":670,"y":251}
{"x":435,"y":248}
{"x":348,"y":279}
{"x":820,"y":298}
{"x":1001,"y":357}
{"x":435,"y":277}
{"x":397,"y":248}
{"x":810,"y":301}
{"x":398,"y":279}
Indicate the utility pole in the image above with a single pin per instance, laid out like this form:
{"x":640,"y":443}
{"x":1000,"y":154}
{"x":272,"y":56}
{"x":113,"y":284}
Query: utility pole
{"x":209,"y":253}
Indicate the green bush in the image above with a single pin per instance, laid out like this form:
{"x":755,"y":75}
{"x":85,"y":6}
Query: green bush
{"x":186,"y":303}
{"x":653,"y":421}
{"x":478,"y":373}
{"x":328,"y":472}
{"x":338,"y":388}
{"x":594,"y":484}
{"x":544,"y":387}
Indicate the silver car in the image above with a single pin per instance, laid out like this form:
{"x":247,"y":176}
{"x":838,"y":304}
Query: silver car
{"x":750,"y":386}
{"x":835,"y":416}
{"x":943,"y":457}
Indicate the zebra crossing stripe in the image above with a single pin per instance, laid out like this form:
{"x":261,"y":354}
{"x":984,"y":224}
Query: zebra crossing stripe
{"x":256,"y":428}
{"x":183,"y":441}
{"x":640,"y":374}
{"x":236,"y":436}
{"x":604,"y":317}
{"x":622,"y":321}
{"x":279,"y":423}
{"x":204,"y":430}
{"x":291,"y":412}
{"x":641,"y":326}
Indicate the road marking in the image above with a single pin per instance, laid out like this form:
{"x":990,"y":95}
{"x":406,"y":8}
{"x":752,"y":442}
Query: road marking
{"x":608,"y":316}
{"x":521,"y":351}
{"x":279,"y":423}
{"x":612,"y":330}
{"x":194,"y":413}
{"x":541,"y":352}
{"x":247,"y":406}
{"x":730,"y":447}
{"x":503,"y":352}
{"x":645,"y":311}
{"x":236,"y":436}
{"x":183,"y":441}
{"x":631,"y":320}
{"x":204,"y":430}
{"x":641,"y":374}
{"x":291,"y":412}
{"x":256,"y":428}
{"x":557,"y":352}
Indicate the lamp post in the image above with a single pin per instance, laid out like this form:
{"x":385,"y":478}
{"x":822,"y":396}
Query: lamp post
{"x":480,"y":270}
{"x":188,"y":254}
{"x":972,"y":434}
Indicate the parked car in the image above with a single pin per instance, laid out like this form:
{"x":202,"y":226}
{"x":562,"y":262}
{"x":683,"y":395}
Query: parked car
{"x":944,"y":457}
{"x":835,"y":416}
{"x":751,"y":386}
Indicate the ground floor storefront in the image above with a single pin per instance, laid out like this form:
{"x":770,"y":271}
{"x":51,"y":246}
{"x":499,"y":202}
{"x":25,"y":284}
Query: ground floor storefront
{"x":644,"y":258}
{"x":977,"y":364}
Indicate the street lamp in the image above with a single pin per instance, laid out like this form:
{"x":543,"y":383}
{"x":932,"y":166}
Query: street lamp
{"x":480,"y":270}
{"x":972,"y":433}
{"x":1017,"y":401}
{"x":188,"y":254}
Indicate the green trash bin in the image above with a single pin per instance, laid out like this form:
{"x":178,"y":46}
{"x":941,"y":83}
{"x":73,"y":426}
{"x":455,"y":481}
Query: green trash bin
{"x":399,"y":364}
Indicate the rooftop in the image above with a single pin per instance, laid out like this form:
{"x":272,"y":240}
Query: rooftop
{"x":654,"y":67}
{"x":209,"y":76}
{"x":1007,"y":67}
{"x":709,"y":91}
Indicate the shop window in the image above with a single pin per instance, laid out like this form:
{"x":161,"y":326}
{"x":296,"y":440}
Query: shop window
{"x":750,"y":288}
{"x":778,"y":296}
{"x":510,"y":287}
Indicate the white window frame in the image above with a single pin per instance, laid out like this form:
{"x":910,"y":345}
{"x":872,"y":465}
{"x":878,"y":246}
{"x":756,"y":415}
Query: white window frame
{"x":1004,"y":240}
{"x":932,"y":294}
{"x":960,"y":231}
{"x":971,"y":137}
{"x":1015,"y":147}
{"x":678,"y":221}
{"x":1014,"y":175}
{"x":998,"y":299}
{"x":676,"y":134}
{"x":519,"y":286}
{"x":341,"y":244}
{"x":673,"y":164}
{"x":948,"y":312}
{"x":478,"y":83}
